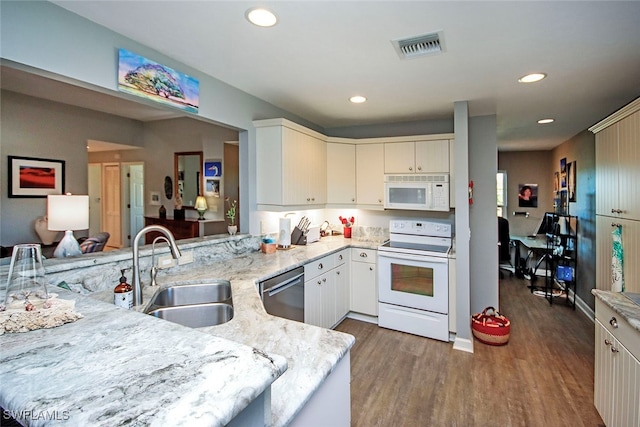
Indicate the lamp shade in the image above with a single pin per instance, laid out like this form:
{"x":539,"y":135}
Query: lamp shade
{"x":201,"y":204}
{"x":68,"y":212}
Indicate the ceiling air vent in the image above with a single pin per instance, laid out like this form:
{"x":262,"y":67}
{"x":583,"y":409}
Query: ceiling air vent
{"x":413,"y":47}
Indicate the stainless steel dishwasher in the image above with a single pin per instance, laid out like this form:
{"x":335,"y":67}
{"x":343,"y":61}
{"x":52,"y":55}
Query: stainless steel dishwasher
{"x":283,"y":295}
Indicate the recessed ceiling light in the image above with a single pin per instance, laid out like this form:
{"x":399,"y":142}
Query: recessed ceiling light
{"x":543,"y":121}
{"x":261,"y":17}
{"x":357,"y":99}
{"x":532,"y":78}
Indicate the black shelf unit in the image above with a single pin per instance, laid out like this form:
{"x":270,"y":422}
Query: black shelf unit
{"x":562,"y":261}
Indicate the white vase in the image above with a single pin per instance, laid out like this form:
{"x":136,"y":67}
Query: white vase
{"x":233,"y":229}
{"x":41,"y":226}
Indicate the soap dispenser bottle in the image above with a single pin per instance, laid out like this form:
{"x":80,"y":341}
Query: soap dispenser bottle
{"x":123,"y":293}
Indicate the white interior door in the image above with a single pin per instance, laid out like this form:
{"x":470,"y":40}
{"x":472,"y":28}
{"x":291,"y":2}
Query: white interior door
{"x":136,"y":199}
{"x":95,"y":198}
{"x":111,"y":218}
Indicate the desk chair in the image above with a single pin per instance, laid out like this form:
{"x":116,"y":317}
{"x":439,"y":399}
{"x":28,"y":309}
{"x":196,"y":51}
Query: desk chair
{"x":504,"y":247}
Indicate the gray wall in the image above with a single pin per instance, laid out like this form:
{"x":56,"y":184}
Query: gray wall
{"x":527,"y":167}
{"x":483,"y":260}
{"x":581,"y":149}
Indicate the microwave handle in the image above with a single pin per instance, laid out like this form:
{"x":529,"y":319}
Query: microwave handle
{"x":410,"y":257}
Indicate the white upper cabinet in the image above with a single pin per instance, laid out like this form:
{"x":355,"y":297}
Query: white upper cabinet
{"x":341,"y":174}
{"x":369,"y":175}
{"x":291,"y":165}
{"x":417,"y":157}
{"x":618,"y":166}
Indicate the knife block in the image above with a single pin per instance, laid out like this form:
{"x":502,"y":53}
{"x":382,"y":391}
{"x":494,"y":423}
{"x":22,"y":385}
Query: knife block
{"x":298,"y":237}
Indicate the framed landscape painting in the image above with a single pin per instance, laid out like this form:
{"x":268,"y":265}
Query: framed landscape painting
{"x":33,"y":177}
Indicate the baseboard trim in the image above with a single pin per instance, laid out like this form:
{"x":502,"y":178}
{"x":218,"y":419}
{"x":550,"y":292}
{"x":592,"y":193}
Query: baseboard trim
{"x":363,"y":317}
{"x":463,"y":344}
{"x":583,"y":307}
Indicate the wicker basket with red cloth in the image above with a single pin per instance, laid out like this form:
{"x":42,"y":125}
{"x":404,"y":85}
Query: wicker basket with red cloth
{"x":491,"y":327}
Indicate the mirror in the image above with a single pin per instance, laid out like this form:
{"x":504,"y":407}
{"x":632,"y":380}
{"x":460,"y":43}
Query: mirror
{"x":188,"y":176}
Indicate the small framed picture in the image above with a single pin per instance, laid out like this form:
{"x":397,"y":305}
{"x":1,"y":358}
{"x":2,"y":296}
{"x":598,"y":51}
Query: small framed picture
{"x":212,"y":187}
{"x":154,"y":199}
{"x":32,"y":177}
{"x":212,"y":168}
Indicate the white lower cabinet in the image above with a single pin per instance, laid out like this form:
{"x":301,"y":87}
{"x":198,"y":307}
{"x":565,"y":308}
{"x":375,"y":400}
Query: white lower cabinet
{"x":617,"y":370}
{"x":364,"y":281}
{"x":326,"y":290}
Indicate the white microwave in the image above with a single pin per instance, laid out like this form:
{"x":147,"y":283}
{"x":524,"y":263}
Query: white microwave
{"x":425,"y":192}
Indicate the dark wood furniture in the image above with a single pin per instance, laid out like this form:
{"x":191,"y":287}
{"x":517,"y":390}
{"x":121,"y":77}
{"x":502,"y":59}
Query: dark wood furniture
{"x":181,"y":228}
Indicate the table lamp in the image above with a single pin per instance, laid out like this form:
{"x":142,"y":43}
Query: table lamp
{"x":201,"y":206}
{"x":67,"y":213}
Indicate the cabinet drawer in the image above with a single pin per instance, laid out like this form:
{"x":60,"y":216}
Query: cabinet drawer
{"x":624,"y":332}
{"x":341,"y":257}
{"x":318,"y":267}
{"x":364,"y":255}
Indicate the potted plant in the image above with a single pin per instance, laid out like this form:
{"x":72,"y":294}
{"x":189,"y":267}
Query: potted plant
{"x":231,"y":214}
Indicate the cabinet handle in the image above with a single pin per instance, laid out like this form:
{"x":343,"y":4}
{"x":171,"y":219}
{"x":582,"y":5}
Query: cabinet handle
{"x":410,"y":169}
{"x":338,"y":273}
{"x":614,"y":350}
{"x":319,"y":282}
{"x":324,"y":280}
{"x":607,"y":342}
{"x":308,"y":199}
{"x":340,"y":257}
{"x":363,"y":254}
{"x":313,"y":199}
{"x":370,"y":268}
{"x":419,"y":168}
{"x":320,"y":266}
{"x":353,"y":200}
{"x":614,"y":322}
{"x":615,"y":224}
{"x":616,"y":211}
{"x":379,"y":200}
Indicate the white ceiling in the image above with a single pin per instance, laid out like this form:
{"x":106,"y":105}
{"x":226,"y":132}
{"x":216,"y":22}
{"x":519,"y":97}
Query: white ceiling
{"x":322,"y":52}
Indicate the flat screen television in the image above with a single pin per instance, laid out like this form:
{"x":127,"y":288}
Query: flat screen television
{"x":546,"y":225}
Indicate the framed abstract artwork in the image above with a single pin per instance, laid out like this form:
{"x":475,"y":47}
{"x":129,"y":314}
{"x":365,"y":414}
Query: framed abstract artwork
{"x":34,"y":177}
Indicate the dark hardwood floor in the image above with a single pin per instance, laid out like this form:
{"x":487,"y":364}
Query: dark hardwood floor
{"x":542,"y":377}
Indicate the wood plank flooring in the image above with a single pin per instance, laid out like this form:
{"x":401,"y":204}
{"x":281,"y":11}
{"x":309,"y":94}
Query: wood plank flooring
{"x":542,"y":377}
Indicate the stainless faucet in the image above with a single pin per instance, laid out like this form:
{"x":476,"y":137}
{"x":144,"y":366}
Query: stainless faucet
{"x":154,"y":268}
{"x":175,"y":252}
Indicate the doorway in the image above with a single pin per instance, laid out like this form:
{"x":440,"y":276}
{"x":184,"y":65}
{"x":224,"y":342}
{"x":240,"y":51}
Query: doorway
{"x":116,"y":201}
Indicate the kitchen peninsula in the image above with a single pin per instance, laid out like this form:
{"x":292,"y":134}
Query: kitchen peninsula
{"x":114,"y":366}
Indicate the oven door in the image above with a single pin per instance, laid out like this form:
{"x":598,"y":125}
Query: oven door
{"x":415,"y":281}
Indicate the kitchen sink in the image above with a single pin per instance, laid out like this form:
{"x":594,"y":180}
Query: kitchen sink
{"x":196,"y":315}
{"x":189,"y":294}
{"x":195,"y":304}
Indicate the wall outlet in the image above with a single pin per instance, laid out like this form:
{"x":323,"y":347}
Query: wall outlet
{"x":186,"y":258}
{"x":166,"y":261}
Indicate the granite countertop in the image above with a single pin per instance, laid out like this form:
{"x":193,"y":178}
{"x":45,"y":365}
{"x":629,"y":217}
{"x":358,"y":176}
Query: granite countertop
{"x":170,"y":369}
{"x":625,"y":304}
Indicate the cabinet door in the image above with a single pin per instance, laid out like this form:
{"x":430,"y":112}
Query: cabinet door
{"x":342,"y":292}
{"x":314,"y":161}
{"x":399,"y":157}
{"x":628,"y":166}
{"x":607,"y":170}
{"x":313,"y":301}
{"x":341,"y":173}
{"x":364,"y":288}
{"x":631,"y":247}
{"x":603,"y":373}
{"x":294,"y":171}
{"x":432,"y":156}
{"x":369,"y":174}
{"x":626,"y":396}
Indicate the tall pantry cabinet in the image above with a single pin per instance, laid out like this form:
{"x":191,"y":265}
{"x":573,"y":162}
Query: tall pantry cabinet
{"x":617,"y":203}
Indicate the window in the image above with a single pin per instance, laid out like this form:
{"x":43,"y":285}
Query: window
{"x":501,"y":191}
